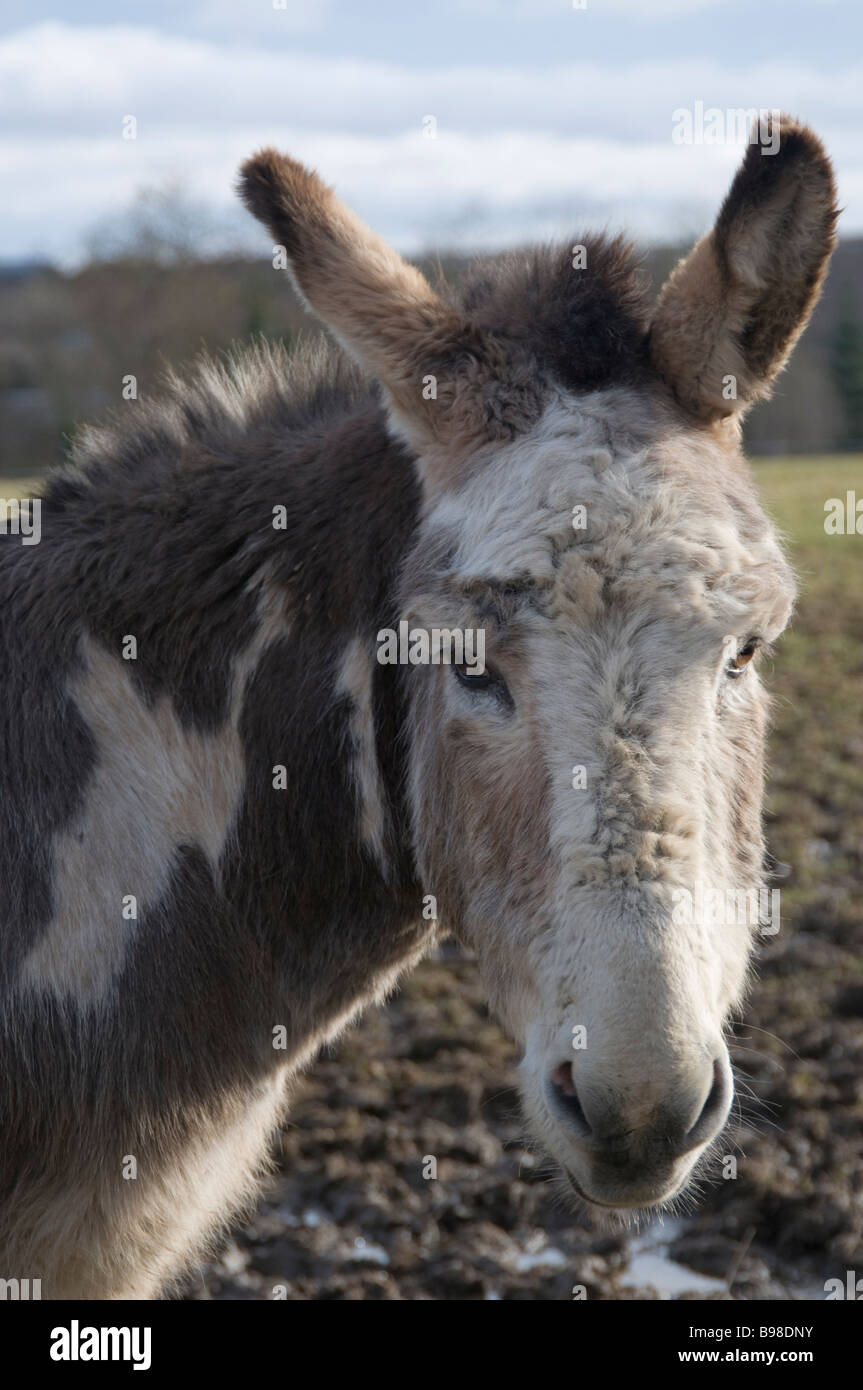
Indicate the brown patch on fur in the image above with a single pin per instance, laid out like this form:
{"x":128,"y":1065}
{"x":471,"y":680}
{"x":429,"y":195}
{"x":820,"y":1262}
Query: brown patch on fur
{"x":482,"y":821}
{"x":736,"y":305}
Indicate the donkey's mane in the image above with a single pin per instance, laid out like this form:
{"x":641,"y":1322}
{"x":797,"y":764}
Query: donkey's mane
{"x":213,"y":409}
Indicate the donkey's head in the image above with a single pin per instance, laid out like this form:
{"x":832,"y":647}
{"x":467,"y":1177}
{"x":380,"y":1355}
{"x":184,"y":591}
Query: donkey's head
{"x":587,"y":806}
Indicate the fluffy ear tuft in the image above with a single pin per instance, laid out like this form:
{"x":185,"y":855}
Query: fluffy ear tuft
{"x":732,"y":310}
{"x":433,"y":363}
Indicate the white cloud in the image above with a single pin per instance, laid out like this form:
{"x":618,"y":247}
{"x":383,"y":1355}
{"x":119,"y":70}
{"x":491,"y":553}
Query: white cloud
{"x":519,"y":151}
{"x":265,"y":19}
{"x":533,"y":9}
{"x":83,"y":79}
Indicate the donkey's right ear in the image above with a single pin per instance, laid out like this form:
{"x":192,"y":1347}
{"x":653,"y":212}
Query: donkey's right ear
{"x":731,"y":312}
{"x":430,"y":360}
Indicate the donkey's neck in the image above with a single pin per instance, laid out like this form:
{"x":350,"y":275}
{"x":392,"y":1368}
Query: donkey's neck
{"x":322,"y":865}
{"x":239,"y":777}
{"x":318,"y":868}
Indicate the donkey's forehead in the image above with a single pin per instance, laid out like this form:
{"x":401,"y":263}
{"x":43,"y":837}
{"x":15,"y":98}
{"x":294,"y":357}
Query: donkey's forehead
{"x":599,"y":488}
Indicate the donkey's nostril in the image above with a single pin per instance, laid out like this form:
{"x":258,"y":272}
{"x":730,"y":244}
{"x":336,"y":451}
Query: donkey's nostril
{"x":562,"y":1078}
{"x":566,"y":1096}
{"x":714,"y":1107}
{"x":673,"y":1120}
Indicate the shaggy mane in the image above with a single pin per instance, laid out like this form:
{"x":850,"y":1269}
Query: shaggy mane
{"x":206,"y":413}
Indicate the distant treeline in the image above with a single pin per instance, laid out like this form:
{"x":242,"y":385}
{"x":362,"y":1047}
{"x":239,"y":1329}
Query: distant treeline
{"x":68,"y":341}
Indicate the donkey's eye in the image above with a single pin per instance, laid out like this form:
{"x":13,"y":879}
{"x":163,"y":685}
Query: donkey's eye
{"x":485,"y":682}
{"x":738,"y":663}
{"x":474,"y":679}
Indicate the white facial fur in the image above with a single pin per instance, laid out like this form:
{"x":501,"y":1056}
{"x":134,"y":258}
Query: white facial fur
{"x":613,"y":643}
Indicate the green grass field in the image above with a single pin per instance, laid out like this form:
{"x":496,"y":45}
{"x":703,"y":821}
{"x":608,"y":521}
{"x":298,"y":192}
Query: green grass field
{"x":816,"y":797}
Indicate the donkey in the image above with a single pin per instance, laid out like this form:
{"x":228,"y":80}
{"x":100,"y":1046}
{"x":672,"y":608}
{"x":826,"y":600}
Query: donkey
{"x":228,"y":827}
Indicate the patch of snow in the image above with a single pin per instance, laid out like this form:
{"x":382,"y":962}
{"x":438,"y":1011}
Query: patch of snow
{"x":650,"y":1267}
{"x":550,"y":1257}
{"x":363,"y":1251}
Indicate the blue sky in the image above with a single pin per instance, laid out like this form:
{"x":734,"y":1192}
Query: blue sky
{"x":548,"y":117}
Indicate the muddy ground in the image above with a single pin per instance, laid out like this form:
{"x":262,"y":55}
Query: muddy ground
{"x":352,"y":1217}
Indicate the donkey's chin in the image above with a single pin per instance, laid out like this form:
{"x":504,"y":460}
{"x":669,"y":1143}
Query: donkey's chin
{"x":622,"y":1200}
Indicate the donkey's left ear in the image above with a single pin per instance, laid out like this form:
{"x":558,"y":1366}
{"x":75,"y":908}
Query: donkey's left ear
{"x":732,"y":310}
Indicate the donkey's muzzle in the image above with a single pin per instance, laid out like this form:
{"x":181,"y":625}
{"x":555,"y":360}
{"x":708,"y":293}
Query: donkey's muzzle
{"x":632,"y":1146}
